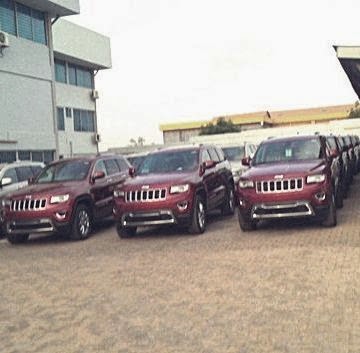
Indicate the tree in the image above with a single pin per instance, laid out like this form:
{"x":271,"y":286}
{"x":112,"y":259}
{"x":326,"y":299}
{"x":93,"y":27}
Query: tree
{"x":222,"y":126}
{"x":139,"y":142}
{"x":355,"y":112}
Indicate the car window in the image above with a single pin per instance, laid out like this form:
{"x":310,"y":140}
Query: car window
{"x":124,"y":167}
{"x":213,"y":154}
{"x":234,"y":153}
{"x":111,"y":166}
{"x":11,"y":173}
{"x":100,"y":167}
{"x":220,"y":154}
{"x":36,"y":169}
{"x":24,"y":173}
{"x":205,"y":156}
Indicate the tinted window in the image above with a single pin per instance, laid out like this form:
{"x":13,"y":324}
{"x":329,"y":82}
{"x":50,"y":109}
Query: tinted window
{"x":24,"y":155}
{"x":60,"y":119}
{"x":234,"y":153}
{"x":24,"y":21}
{"x":11,"y":173}
{"x":7,"y":17}
{"x":24,"y":173}
{"x":100,"y":167}
{"x":111,"y":166}
{"x":60,"y":71}
{"x":169,"y":162}
{"x":123,"y":165}
{"x":65,"y":171}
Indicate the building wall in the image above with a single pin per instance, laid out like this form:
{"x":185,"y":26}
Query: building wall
{"x":74,"y":142}
{"x":26,"y":113}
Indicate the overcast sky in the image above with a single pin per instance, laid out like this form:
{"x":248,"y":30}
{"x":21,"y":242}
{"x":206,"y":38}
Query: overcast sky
{"x":181,"y":60}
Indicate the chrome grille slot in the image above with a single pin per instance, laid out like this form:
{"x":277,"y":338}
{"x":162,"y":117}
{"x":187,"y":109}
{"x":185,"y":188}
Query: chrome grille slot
{"x":149,"y":195}
{"x":28,"y":205}
{"x":284,"y":185}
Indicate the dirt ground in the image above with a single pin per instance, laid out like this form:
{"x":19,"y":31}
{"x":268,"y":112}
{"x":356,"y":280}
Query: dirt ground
{"x":287,"y":287}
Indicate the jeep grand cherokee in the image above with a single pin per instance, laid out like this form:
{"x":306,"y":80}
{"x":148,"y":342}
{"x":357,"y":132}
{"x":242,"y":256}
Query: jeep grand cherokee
{"x":68,"y":195}
{"x":288,"y":177}
{"x":175,"y":186}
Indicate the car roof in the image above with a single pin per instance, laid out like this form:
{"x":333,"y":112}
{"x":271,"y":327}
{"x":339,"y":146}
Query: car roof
{"x":20,"y":163}
{"x":292,"y":138}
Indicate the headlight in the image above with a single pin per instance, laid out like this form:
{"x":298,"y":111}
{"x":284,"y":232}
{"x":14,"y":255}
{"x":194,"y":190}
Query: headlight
{"x":5,"y":203}
{"x":59,"y":198}
{"x":316,"y":178}
{"x":178,"y":189}
{"x":246,"y":184}
{"x":119,"y":193}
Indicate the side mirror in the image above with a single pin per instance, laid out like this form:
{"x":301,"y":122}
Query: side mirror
{"x":206,"y":165}
{"x":246,"y":161}
{"x":31,"y":180}
{"x":333,"y":153}
{"x":132,"y":171}
{"x":98,"y":175}
{"x":5,"y":182}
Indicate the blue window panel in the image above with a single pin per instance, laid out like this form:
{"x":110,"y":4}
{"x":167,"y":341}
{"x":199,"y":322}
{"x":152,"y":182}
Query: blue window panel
{"x":60,"y":119}
{"x":91,"y":121}
{"x":84,"y":78}
{"x":77,"y":120}
{"x":48,"y":156}
{"x":7,"y":156}
{"x":60,"y":71}
{"x":37,"y":156}
{"x":39,"y":32}
{"x":24,"y":21}
{"x":24,"y":155}
{"x":72,"y":75}
{"x":7,"y":16}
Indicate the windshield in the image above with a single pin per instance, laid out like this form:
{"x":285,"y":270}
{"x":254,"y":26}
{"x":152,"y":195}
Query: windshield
{"x":66,"y":171}
{"x":283,"y":151}
{"x":234,"y":154}
{"x":170,"y":162}
{"x":135,"y":161}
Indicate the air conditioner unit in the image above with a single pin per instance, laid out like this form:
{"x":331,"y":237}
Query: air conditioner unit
{"x":97,"y":138}
{"x":94,"y":94}
{"x":4,"y":39}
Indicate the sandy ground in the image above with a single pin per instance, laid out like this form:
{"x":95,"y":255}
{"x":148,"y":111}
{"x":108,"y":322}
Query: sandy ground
{"x":283,"y":288}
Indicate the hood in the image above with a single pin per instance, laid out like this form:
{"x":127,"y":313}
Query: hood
{"x":46,"y":189}
{"x":159,"y":179}
{"x":287,"y":169}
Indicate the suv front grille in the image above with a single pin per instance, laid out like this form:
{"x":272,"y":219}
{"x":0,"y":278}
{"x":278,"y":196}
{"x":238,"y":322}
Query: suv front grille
{"x":149,"y":195}
{"x":285,"y":185}
{"x":28,"y":205}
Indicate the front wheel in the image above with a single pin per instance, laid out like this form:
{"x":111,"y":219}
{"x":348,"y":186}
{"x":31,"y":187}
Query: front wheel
{"x":82,"y":223}
{"x":246,"y":224}
{"x":330,"y":220}
{"x":198,"y":223}
{"x":17,"y":238}
{"x":228,"y":207}
{"x":125,"y":232}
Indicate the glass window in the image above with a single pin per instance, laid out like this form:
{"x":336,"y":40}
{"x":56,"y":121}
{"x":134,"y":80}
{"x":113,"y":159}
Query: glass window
{"x":213,"y":155}
{"x":220,"y":153}
{"x":235,"y":153}
{"x":205,"y":156}
{"x":100,"y":167}
{"x":72,"y":75}
{"x":111,"y":166}
{"x":48,"y":156}
{"x":37,"y":156}
{"x":84,"y":78}
{"x":60,"y":71}
{"x":24,"y":173}
{"x":77,"y":120}
{"x":7,"y":16}
{"x":60,"y":119}
{"x":39,"y":33}
{"x":84,"y":120}
{"x":124,"y":166}
{"x":11,"y":173}
{"x":68,"y":112}
{"x":7,"y":156}
{"x":36,"y":170}
{"x":24,"y":155}
{"x":24,"y":21}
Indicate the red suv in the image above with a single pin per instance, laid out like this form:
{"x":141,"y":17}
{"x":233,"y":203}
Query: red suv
{"x":288,"y":177}
{"x":68,"y":195}
{"x":175,"y":186}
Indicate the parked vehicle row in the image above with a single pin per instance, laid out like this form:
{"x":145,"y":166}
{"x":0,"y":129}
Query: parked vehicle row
{"x":299,"y":176}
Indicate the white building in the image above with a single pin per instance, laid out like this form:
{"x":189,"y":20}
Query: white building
{"x":47,"y":81}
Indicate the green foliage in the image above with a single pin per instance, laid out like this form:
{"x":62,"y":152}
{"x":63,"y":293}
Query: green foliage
{"x":355,"y":112}
{"x":222,"y":126}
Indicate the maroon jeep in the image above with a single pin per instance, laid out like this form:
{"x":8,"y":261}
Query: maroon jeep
{"x":67,"y":196}
{"x":288,"y":177}
{"x":175,"y":186}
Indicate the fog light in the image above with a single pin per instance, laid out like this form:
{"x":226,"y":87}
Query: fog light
{"x":241,"y":202}
{"x":182,"y":206}
{"x":320,"y":196}
{"x":60,"y":215}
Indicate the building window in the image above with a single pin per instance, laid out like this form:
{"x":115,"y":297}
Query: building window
{"x":21,"y":20}
{"x":7,"y":156}
{"x":48,"y":156}
{"x":60,"y":71}
{"x":60,"y":119}
{"x":7,"y":16}
{"x":37,"y":156}
{"x":68,"y":112}
{"x":24,"y":155}
{"x":84,"y":120}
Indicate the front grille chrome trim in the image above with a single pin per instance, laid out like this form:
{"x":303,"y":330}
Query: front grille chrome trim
{"x":149,"y":195}
{"x":23,"y":205}
{"x":279,"y":210}
{"x":279,"y":186}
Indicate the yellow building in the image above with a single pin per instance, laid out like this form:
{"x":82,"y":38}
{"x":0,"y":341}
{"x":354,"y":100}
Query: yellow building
{"x":182,"y":131}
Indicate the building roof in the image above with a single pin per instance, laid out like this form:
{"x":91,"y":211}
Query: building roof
{"x":55,"y":7}
{"x":319,"y":114}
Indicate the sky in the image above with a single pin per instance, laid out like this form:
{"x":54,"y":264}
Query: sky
{"x":184,"y":60}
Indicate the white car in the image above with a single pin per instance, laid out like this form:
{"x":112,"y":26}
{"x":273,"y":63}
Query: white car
{"x":14,"y":176}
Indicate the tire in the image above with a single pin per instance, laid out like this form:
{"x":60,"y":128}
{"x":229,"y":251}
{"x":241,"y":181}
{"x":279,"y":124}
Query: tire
{"x":339,"y":200}
{"x":198,"y":221}
{"x":228,"y":207}
{"x":246,"y":224}
{"x":125,"y":232}
{"x":82,"y":223}
{"x":330,"y":220}
{"x":17,"y":238}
